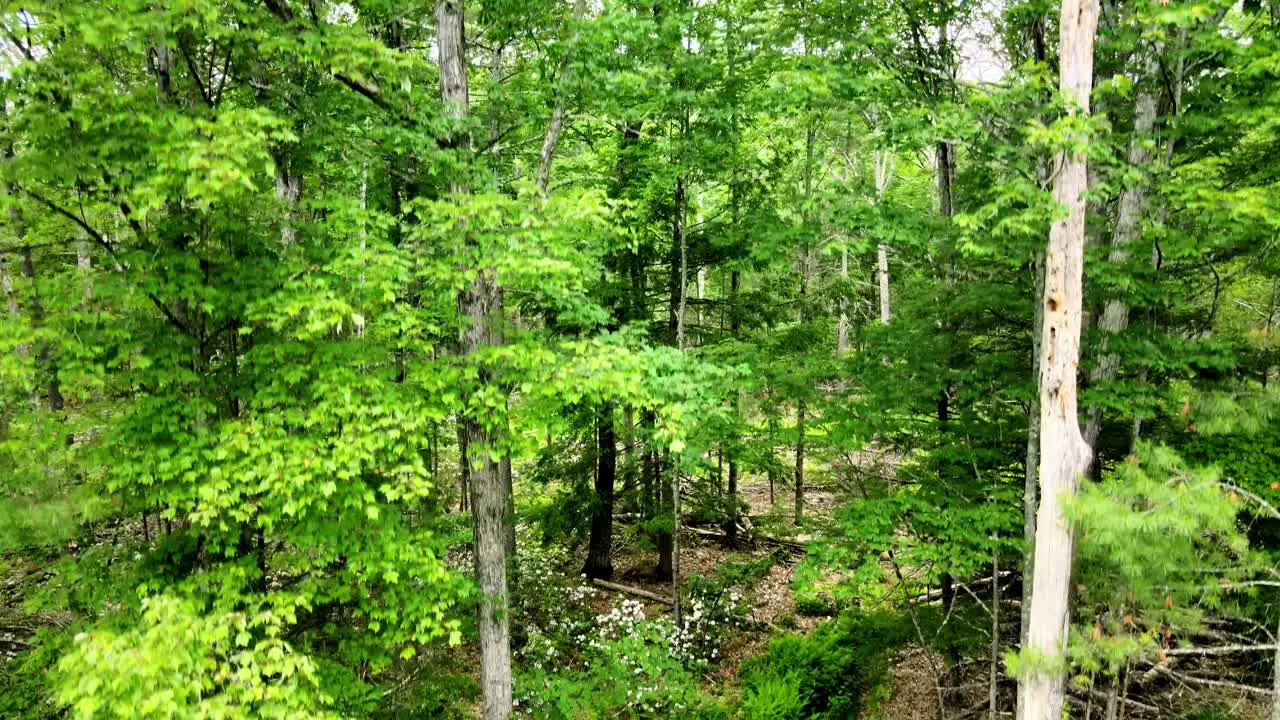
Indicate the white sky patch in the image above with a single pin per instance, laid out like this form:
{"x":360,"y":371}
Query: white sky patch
{"x":982,"y":58}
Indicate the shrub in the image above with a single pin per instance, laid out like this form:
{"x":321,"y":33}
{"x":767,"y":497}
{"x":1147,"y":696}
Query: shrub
{"x":828,"y":672}
{"x":633,"y":676}
{"x":776,"y":697}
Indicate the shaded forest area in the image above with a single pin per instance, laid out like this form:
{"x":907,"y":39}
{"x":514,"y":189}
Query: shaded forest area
{"x":715,"y":359}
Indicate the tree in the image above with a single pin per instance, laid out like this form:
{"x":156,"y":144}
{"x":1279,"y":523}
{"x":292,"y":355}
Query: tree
{"x":1064,"y":455}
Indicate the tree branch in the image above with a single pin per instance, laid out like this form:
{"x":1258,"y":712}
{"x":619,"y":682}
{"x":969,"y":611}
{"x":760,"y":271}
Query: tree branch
{"x":101,"y":240}
{"x":1213,"y":683}
{"x":195,"y":73}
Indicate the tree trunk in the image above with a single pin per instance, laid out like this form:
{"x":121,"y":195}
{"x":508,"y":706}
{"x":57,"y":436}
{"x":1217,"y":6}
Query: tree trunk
{"x":882,"y":274}
{"x":842,"y":325}
{"x":663,"y":491}
{"x":680,"y":294}
{"x":599,"y":563}
{"x":675,"y":540}
{"x":288,"y":192}
{"x":509,"y":503}
{"x":773,"y":470}
{"x":810,"y":136}
{"x":1030,"y":490}
{"x":1275,"y":682}
{"x":675,"y":465}
{"x":1132,"y":204}
{"x":46,"y":365}
{"x":6,"y":283}
{"x":648,"y":470}
{"x":799,"y":476}
{"x":478,"y":304}
{"x":1064,"y":455}
{"x":735,"y":328}
{"x":552,"y":136}
{"x":731,"y":524}
{"x":11,"y":302}
{"x":946,"y":179}
{"x":884,"y":161}
{"x":464,"y":470}
{"x":84,"y":264}
{"x":993,"y":688}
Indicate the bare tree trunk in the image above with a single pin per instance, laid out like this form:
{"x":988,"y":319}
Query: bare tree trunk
{"x":1275,"y":682}
{"x":799,"y":476}
{"x":478,"y":304}
{"x":884,"y":161}
{"x":551,"y":138}
{"x":882,"y":273}
{"x":675,"y":465}
{"x":1030,"y":491}
{"x":599,"y":563}
{"x":946,"y":179}
{"x":993,"y":689}
{"x":84,"y":264}
{"x":1132,"y":204}
{"x":288,"y":192}
{"x":810,"y":136}
{"x":1064,"y":455}
{"x":464,"y":470}
{"x":6,"y":283}
{"x":11,"y":301}
{"x":842,"y":325}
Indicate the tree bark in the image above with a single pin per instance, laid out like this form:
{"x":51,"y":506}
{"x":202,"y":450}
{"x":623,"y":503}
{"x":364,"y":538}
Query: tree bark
{"x":735,"y":328}
{"x":45,"y":362}
{"x":288,"y":192}
{"x":842,"y":324}
{"x":6,"y":283}
{"x":478,"y":304}
{"x":993,"y":689}
{"x":810,"y":137}
{"x":599,"y":563}
{"x":773,"y":460}
{"x":1064,"y":455}
{"x":1132,"y":204}
{"x":11,"y":302}
{"x":1030,"y":490}
{"x":1275,"y":682}
{"x":884,"y":161}
{"x":675,"y":465}
{"x":663,"y":492}
{"x":799,"y":476}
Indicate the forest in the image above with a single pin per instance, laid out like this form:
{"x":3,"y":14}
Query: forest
{"x":637,"y":359}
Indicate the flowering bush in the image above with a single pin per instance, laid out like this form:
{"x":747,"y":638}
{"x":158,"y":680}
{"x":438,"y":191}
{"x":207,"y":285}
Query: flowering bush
{"x":631,"y":676}
{"x":552,"y":618}
{"x":711,"y":615}
{"x":619,"y":663}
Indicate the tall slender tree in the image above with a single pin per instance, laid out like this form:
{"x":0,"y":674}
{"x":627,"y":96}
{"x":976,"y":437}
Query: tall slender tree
{"x":1064,"y":455}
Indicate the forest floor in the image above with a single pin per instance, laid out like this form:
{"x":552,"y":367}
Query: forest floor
{"x":776,"y":547}
{"x":771,"y":597}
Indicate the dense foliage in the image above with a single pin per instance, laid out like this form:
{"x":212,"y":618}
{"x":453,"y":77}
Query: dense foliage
{"x":310,"y":305}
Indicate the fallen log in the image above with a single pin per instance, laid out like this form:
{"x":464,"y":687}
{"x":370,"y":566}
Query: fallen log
{"x":791,"y":545}
{"x":632,"y":591}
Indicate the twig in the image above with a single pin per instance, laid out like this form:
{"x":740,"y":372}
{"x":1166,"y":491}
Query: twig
{"x":1221,"y":650}
{"x":1214,"y":683}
